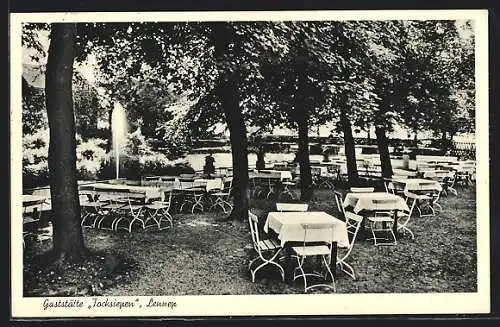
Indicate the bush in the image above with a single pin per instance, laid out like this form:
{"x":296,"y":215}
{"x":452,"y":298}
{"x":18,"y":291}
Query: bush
{"x":89,"y":157}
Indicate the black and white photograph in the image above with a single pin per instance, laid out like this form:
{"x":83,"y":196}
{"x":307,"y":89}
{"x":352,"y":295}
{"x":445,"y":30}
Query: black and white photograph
{"x":263,"y":163}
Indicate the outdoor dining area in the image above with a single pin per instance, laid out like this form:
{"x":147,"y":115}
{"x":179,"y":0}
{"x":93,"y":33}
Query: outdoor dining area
{"x":300,"y":245}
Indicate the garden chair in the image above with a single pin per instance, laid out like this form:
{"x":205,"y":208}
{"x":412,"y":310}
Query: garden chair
{"x":130,"y":213}
{"x":382,"y":222}
{"x":297,"y":207}
{"x":88,"y":209}
{"x":353,"y":224}
{"x":405,"y":216}
{"x":316,"y":176}
{"x":448,"y":184}
{"x":339,"y":199}
{"x":362,"y":189}
{"x":259,"y":186}
{"x":107,"y":207}
{"x":428,"y":200}
{"x":191,"y":194}
{"x":158,"y":211}
{"x":312,"y":250}
{"x":119,"y":207}
{"x":222,"y":196}
{"x":389,"y":185}
{"x":267,"y":249}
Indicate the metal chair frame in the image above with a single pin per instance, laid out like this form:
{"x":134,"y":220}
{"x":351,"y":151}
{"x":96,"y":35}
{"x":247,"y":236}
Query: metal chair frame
{"x":353,"y":225}
{"x":384,"y":219}
{"x":158,"y":211}
{"x":222,"y":196}
{"x":262,"y":247}
{"x":307,"y":250}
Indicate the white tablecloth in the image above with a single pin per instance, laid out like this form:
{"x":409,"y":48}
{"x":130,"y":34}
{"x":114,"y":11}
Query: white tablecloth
{"x":364,"y":201}
{"x":437,"y":174}
{"x":403,"y":172}
{"x":148,"y":191}
{"x":288,"y":226}
{"x":418,"y":184}
{"x":282,"y":175}
{"x":210,"y":184}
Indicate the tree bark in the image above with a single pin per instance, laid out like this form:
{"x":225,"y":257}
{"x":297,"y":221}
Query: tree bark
{"x":303,"y":156}
{"x":227,"y":93}
{"x":239,"y":151}
{"x":383,"y":150}
{"x":67,"y":233}
{"x":350,"y":152}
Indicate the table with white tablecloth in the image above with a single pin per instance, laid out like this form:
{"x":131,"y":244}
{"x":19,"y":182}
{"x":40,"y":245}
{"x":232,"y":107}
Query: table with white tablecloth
{"x":417,"y":184}
{"x":288,"y":226}
{"x":369,"y":202}
{"x":148,"y":192}
{"x":364,"y":201}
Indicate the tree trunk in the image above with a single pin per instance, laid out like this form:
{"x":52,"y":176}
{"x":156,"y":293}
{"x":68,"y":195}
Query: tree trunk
{"x":227,"y":93}
{"x":350,"y":152}
{"x":415,"y":139}
{"x":67,"y":233}
{"x":383,"y":150}
{"x":239,"y":151}
{"x":303,"y":156}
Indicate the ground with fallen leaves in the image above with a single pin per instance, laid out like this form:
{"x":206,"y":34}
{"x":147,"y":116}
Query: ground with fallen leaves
{"x":201,"y":256}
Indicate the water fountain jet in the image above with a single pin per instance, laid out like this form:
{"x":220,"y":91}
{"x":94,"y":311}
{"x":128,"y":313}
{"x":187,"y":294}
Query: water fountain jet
{"x":119,"y":133}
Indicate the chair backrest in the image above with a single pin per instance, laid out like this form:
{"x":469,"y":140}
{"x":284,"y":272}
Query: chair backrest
{"x":186,"y":182}
{"x":316,"y":171}
{"x":381,"y":206}
{"x":310,"y":227}
{"x":339,"y":201}
{"x":362,"y":189}
{"x":411,"y":199}
{"x":227,"y":183}
{"x":299,"y":207}
{"x":253,"y":221}
{"x":353,"y":224}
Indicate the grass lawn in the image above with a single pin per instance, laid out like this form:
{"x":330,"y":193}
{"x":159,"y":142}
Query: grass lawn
{"x":201,"y":256}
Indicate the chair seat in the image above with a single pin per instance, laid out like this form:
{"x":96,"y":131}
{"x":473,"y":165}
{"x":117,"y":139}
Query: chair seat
{"x":422,"y":197}
{"x":219,"y":194}
{"x":380,"y":219}
{"x":266,"y":245}
{"x":156,"y":205}
{"x":311,"y":250}
{"x":113,"y":206}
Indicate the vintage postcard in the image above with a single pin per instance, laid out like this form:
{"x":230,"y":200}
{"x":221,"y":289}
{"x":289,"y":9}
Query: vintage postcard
{"x":265,"y":163}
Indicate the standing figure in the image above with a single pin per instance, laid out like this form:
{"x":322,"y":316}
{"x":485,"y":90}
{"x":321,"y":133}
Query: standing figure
{"x":209,"y":167}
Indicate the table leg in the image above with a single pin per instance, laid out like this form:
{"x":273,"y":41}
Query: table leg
{"x":333,"y":263}
{"x":288,"y":267}
{"x":395,"y":224}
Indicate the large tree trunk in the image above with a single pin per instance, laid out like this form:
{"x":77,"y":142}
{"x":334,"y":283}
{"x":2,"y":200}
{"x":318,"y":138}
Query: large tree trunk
{"x":239,"y":151}
{"x":67,"y":234}
{"x":383,"y":150}
{"x":350,"y":152}
{"x":303,"y":156}
{"x":227,"y":93}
